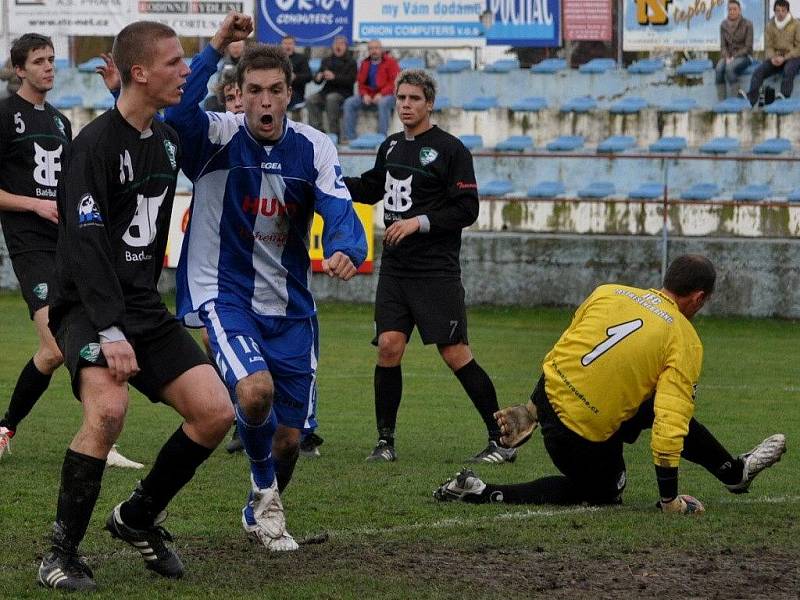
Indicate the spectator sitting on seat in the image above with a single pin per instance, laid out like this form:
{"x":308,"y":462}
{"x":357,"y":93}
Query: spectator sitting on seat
{"x":736,"y":47}
{"x":376,"y":77}
{"x":783,"y":53}
{"x":301,"y":73}
{"x":338,"y":71}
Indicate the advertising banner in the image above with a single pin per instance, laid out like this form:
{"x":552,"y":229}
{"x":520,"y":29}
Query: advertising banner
{"x":311,"y":22}
{"x":588,"y":20}
{"x":683,"y":24}
{"x":535,"y":23}
{"x":108,"y":17}
{"x":414,"y":23}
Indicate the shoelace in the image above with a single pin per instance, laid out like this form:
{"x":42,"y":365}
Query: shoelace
{"x":75,"y":565}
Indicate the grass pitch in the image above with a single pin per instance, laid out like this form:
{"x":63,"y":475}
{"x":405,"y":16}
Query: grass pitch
{"x":387,"y":536}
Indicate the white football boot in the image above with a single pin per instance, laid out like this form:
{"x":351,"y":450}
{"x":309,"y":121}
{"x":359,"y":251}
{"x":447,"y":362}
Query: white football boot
{"x":263,"y":519}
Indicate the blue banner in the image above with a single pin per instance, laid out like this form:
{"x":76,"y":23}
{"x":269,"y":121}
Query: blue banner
{"x":535,"y":23}
{"x":311,"y":22}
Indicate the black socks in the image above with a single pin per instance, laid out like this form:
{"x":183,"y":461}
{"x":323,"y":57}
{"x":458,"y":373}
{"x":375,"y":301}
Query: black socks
{"x":388,"y":391}
{"x":480,"y":390}
{"x":80,"y":485}
{"x":31,"y":384}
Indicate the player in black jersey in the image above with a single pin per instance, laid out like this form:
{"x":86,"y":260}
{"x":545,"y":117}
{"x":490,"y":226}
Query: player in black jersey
{"x":34,"y":137}
{"x":109,"y":320}
{"x":425,"y":178}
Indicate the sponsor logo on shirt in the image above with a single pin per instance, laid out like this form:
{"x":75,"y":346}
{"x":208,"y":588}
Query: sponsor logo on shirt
{"x":268,"y":207}
{"x":278,"y":239}
{"x":398,"y":193}
{"x":88,"y":213}
{"x":142,"y":229}
{"x":48,"y":164}
{"x":271,"y":166}
{"x":427,"y":156}
{"x":171,"y":150}
{"x":40,"y":290}
{"x":463,"y":185}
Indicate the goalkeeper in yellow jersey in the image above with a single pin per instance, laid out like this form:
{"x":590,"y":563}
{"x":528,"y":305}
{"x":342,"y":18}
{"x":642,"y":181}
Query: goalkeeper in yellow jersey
{"x":629,"y":361}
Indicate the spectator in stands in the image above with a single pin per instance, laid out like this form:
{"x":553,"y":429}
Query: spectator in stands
{"x":783,"y":53}
{"x":376,"y":77}
{"x":736,"y":48}
{"x":12,"y":82}
{"x":228,"y":63}
{"x":301,"y":73}
{"x":227,"y":92}
{"x":338,"y":72}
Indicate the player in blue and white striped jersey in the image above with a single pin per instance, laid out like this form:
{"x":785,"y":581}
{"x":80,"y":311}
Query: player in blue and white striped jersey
{"x":244,"y":271}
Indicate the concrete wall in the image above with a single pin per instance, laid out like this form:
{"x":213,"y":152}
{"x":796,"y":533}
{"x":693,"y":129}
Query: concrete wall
{"x":756,"y":277}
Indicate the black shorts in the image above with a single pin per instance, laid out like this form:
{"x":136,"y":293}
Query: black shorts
{"x":163,"y":353}
{"x":597,"y":469}
{"x":34,"y":270}
{"x":435,"y":306}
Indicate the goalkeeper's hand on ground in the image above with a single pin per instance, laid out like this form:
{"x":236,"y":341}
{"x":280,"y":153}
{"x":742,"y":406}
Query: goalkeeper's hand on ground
{"x":683,"y":504}
{"x":516,"y":424}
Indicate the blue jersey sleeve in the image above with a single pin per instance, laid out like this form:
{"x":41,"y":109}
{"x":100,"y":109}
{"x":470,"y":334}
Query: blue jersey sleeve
{"x":194,"y":126}
{"x":342,"y":230}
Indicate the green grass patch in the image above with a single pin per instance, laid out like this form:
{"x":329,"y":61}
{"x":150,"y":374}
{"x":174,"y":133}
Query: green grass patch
{"x":388,"y":538}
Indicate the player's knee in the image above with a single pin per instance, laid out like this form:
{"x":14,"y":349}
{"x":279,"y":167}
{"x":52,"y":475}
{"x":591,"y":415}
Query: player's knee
{"x":254,"y":395}
{"x":285,"y":447}
{"x":49,"y":358}
{"x":107,"y":420}
{"x":390,"y":349}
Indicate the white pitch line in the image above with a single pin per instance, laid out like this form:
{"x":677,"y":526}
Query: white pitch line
{"x":461,"y":522}
{"x":761,"y":500}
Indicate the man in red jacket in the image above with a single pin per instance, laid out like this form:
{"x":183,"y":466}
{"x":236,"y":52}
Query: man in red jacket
{"x":376,"y":77}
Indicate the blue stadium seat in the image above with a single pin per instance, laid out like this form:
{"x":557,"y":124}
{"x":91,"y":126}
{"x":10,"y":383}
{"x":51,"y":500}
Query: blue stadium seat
{"x":783,"y":107}
{"x":67,"y":102}
{"x":90,"y":65}
{"x":515,"y":143}
{"x":697,"y":66}
{"x":581,"y":104}
{"x":314,"y":64}
{"x":794,"y":196}
{"x":61,"y":63}
{"x":472,"y":142}
{"x":598,"y":189}
{"x":566,"y":143}
{"x":550,"y":66}
{"x":669,"y":144}
{"x":530,"y":104}
{"x":105,"y":103}
{"x":679,"y":105}
{"x":648,"y":191}
{"x":720,"y":145}
{"x":412,"y":62}
{"x":735,"y":104}
{"x":598,"y":66}
{"x":617,"y":143}
{"x":481,"y":103}
{"x":367,"y":141}
{"x":497,"y":187}
{"x":627,"y":106}
{"x":504,"y":65}
{"x":454,"y":65}
{"x":701,"y":191}
{"x":441,"y":103}
{"x":646,"y":66}
{"x":773,"y":146}
{"x":546,"y":189}
{"x":753,"y":192}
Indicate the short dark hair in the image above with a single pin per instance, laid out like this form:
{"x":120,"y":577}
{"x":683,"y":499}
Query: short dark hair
{"x":783,"y":3}
{"x":135,"y":44}
{"x":262,"y":56}
{"x":226,"y":79}
{"x":289,"y":37}
{"x":24,"y":45}
{"x":690,"y":273}
{"x":419,"y":78}
{"x":736,"y":2}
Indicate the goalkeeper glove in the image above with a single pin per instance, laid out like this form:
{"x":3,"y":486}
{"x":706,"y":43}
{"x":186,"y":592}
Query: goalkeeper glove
{"x":683,"y":504}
